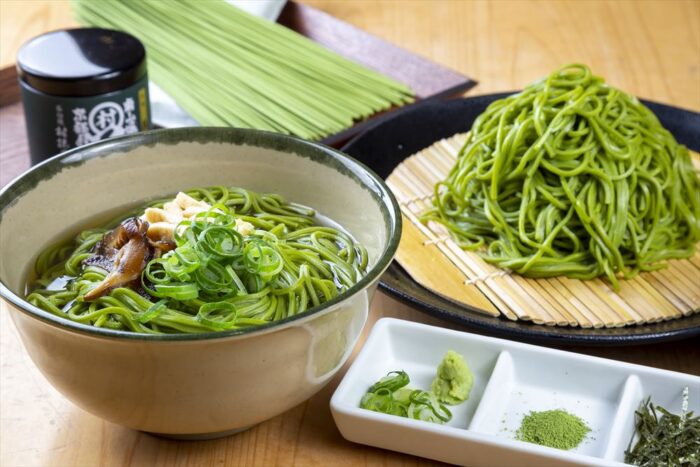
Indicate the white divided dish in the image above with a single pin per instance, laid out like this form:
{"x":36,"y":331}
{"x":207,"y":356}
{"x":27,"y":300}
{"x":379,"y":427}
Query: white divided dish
{"x":510,"y":380}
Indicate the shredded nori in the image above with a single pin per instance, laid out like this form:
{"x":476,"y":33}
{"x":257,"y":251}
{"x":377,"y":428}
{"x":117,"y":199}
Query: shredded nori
{"x":665,"y":439}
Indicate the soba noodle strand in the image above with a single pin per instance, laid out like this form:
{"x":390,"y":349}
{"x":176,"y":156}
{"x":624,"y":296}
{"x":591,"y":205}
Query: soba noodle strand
{"x":571,"y":177}
{"x":215,"y":279}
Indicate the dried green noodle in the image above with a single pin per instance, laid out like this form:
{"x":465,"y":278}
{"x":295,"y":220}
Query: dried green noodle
{"x":226,"y":67}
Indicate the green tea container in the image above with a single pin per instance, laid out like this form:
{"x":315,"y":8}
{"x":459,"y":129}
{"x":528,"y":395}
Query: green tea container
{"x":80,"y":86}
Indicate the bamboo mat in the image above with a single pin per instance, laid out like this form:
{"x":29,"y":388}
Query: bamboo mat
{"x":436,"y":262}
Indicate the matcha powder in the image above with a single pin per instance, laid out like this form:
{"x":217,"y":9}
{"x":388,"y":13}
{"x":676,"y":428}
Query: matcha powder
{"x":554,"y":428}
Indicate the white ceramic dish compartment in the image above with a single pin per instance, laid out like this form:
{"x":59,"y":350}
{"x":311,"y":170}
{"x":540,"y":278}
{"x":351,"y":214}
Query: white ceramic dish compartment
{"x":510,"y":380}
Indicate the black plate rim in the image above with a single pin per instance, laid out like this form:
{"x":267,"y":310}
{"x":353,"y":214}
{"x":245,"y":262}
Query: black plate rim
{"x":394,"y":279}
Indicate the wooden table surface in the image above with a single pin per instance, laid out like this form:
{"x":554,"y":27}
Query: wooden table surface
{"x":649,"y":48}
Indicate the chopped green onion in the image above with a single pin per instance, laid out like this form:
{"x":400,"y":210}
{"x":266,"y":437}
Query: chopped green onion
{"x":383,"y":401}
{"x":176,"y":291}
{"x":219,"y":315}
{"x":425,"y":406}
{"x":220,"y":241}
{"x":393,"y":381}
{"x":391,"y":395}
{"x":214,"y":278}
{"x":153,"y":311}
{"x":155,"y":272}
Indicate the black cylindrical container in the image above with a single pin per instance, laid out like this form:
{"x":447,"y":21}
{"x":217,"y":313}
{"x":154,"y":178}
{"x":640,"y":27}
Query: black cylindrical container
{"x":82,"y":85}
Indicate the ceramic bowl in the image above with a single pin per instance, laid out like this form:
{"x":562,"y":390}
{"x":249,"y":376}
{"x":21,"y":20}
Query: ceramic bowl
{"x":191,"y":385}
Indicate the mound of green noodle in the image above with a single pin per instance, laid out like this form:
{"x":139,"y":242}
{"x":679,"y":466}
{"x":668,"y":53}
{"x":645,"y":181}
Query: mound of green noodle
{"x":571,"y":177}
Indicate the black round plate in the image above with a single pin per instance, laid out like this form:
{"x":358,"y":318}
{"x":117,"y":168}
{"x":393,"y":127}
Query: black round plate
{"x":403,"y":133}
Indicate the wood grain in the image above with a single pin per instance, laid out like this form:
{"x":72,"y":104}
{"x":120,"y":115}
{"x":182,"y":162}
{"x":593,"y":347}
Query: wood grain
{"x":21,"y":20}
{"x":38,"y":426}
{"x":14,"y":149}
{"x":648,"y":48}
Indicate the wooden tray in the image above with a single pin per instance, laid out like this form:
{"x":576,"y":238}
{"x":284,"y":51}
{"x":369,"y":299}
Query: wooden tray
{"x":384,"y":147}
{"x":429,"y":80}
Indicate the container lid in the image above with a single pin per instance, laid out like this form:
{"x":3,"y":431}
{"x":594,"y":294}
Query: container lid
{"x":81,"y":62}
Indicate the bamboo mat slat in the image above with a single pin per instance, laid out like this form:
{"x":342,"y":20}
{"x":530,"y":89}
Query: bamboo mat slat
{"x":434,"y":260}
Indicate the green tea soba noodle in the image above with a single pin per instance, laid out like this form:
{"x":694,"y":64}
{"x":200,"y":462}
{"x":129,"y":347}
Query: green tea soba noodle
{"x":211,"y":259}
{"x":571,"y":177}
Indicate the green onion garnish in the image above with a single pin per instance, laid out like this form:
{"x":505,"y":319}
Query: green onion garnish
{"x":390,"y":395}
{"x":217,"y":277}
{"x":393,"y":381}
